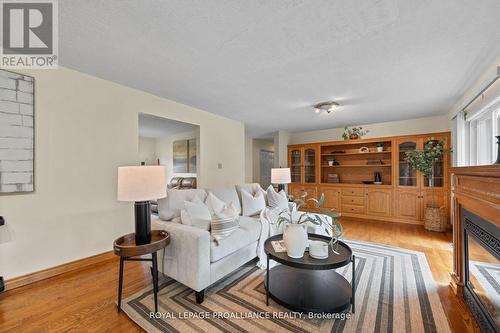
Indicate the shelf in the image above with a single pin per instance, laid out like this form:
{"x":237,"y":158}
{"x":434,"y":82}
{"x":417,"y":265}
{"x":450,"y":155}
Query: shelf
{"x":358,"y":153}
{"x":357,"y":165}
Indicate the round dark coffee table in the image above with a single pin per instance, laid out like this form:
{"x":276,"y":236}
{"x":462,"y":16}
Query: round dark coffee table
{"x":307,"y":284}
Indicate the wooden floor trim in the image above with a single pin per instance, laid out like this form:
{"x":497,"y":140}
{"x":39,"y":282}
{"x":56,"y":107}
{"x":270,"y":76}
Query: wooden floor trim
{"x":57,"y":270}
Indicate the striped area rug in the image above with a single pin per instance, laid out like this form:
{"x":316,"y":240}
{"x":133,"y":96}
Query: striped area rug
{"x":395,"y":293}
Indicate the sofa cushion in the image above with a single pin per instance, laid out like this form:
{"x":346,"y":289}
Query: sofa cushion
{"x":228,"y":195}
{"x":252,"y":204}
{"x":170,"y":206}
{"x":214,"y":204}
{"x":247,"y":233}
{"x":224,"y":223}
{"x":277,"y":200}
{"x":251,"y":188}
{"x":195,"y":213}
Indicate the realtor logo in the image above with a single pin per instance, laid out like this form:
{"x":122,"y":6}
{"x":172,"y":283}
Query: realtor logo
{"x":29,"y":34}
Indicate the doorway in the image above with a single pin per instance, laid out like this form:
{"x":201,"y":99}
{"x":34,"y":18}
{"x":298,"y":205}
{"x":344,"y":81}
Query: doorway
{"x":266,"y":163}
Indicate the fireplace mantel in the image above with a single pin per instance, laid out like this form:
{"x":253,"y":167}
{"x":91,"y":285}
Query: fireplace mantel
{"x":477,"y":189}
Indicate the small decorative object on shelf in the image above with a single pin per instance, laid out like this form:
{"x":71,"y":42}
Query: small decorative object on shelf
{"x":333,"y":178}
{"x":374,"y":162}
{"x":353,"y":133}
{"x":364,"y":150}
{"x":424,"y":162}
{"x":338,"y":152}
{"x":331,"y":161}
{"x":295,"y":230}
{"x":498,"y":152}
{"x":378,"y":179}
{"x":380,"y":146}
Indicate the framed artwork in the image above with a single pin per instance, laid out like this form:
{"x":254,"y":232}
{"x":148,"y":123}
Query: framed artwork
{"x":184,"y":156}
{"x":180,"y":156}
{"x":16,"y":132}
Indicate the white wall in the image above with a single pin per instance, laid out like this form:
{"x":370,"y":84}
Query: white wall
{"x":393,"y":128}
{"x":281,"y":142}
{"x":248,"y":159}
{"x":85,"y":128}
{"x":147,"y":150}
{"x":165,"y":152}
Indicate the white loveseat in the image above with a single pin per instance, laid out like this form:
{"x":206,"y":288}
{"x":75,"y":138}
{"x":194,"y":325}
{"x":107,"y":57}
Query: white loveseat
{"x":193,"y":258}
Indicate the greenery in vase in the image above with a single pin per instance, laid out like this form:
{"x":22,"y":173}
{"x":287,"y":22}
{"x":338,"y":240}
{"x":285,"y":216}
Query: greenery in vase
{"x":355,"y":130}
{"x":425,"y":159}
{"x":379,"y":144}
{"x":285,"y":217}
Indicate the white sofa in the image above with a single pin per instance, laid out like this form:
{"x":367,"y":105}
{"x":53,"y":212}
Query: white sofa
{"x":193,"y":257}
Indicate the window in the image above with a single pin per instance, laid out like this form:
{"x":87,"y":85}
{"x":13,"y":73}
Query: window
{"x":480,"y":130}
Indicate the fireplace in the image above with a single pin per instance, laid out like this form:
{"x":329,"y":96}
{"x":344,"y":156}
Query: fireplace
{"x":481,"y":255}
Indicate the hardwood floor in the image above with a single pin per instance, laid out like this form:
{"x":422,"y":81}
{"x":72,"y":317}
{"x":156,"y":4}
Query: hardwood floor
{"x":84,"y":301}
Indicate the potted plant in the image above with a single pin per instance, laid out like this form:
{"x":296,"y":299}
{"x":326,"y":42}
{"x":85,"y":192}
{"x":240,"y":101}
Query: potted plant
{"x":353,"y":133}
{"x":380,"y":146}
{"x":424,"y":162}
{"x":295,"y":230}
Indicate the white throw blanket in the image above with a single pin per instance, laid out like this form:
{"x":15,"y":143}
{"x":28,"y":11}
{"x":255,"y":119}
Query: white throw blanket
{"x":268,"y":221}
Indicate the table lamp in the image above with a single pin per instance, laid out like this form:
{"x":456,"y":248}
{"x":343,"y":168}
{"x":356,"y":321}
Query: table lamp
{"x":280,"y":176}
{"x":141,"y":184}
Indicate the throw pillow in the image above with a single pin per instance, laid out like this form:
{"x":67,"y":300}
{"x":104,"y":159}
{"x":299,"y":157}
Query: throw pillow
{"x":224,"y":222}
{"x":214,"y":204}
{"x":277,"y":200}
{"x":196,"y":214}
{"x":252,"y":204}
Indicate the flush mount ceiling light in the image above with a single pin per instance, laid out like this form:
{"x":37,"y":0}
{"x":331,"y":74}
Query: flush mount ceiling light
{"x":326,"y":106}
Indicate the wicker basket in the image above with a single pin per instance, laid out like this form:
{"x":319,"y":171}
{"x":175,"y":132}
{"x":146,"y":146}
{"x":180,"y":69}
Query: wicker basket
{"x":435,"y":219}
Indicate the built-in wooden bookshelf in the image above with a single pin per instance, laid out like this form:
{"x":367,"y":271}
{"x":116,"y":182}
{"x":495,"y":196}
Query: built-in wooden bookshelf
{"x":347,"y":183}
{"x":356,"y":162}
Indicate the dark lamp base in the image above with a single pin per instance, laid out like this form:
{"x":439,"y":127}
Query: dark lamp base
{"x":142,"y":222}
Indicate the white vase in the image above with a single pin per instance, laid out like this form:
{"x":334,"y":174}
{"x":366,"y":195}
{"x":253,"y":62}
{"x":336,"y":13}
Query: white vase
{"x":380,"y":149}
{"x":295,"y":238}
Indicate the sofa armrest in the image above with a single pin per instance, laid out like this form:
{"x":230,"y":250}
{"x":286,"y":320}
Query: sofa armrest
{"x":187,"y":257}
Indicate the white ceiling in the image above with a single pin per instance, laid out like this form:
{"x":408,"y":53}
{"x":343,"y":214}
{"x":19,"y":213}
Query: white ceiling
{"x":267,"y":62}
{"x":156,"y":127}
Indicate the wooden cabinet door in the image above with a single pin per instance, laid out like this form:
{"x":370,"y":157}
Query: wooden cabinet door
{"x":408,"y":204}
{"x":441,"y":166}
{"x":295,"y":191}
{"x":295,"y":164}
{"x":332,"y":198}
{"x":378,"y":202}
{"x":310,"y":164}
{"x":312,"y":192}
{"x":406,"y":176}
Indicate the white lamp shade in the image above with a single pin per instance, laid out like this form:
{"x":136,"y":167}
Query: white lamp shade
{"x":141,"y":183}
{"x":280,"y":176}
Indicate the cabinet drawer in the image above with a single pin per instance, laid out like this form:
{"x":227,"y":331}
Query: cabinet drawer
{"x":354,"y":191}
{"x":353,"y":209}
{"x":351,"y":200}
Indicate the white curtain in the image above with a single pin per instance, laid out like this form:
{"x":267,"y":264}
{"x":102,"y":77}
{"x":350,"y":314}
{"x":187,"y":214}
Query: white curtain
{"x":459,"y":140}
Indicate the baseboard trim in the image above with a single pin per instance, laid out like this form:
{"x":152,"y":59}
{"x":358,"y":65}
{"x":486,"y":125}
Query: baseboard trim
{"x":58,"y":270}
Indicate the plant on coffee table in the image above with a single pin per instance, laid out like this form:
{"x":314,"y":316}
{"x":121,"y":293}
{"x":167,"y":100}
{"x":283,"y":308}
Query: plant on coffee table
{"x":326,"y":219}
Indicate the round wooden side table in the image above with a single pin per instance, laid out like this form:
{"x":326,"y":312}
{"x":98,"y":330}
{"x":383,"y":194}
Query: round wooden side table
{"x":126,"y":248}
